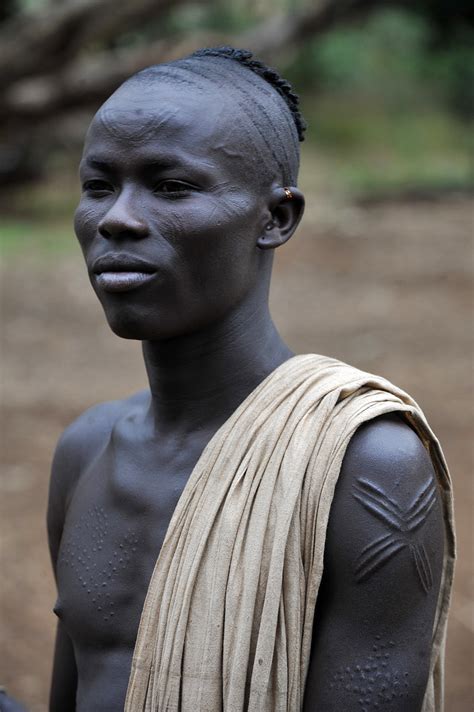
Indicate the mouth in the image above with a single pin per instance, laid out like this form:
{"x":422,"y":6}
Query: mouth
{"x":119,"y":272}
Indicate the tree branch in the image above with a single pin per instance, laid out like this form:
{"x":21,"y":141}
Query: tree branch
{"x":37,"y":43}
{"x":88,"y":81}
{"x":282,"y":33}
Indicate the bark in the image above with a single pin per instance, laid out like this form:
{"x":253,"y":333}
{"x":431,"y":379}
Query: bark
{"x":286,"y":32}
{"x":89,"y":80}
{"x":40,"y":42}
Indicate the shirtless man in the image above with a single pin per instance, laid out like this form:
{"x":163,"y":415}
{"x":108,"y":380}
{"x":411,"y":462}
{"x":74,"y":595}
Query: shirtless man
{"x":188,"y":186}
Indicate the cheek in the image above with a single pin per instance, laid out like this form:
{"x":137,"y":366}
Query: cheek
{"x":218,"y":243}
{"x":212,"y":225}
{"x":86,"y":219}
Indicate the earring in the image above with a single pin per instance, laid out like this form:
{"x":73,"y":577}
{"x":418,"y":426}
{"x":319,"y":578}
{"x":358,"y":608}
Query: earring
{"x":288,"y":193}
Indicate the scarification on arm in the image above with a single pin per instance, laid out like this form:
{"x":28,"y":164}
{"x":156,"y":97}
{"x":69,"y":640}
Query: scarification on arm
{"x":373,"y":682}
{"x":405,"y":529}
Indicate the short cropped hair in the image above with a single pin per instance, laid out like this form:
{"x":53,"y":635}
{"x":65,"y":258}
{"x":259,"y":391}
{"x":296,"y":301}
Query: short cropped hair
{"x":269,"y":108}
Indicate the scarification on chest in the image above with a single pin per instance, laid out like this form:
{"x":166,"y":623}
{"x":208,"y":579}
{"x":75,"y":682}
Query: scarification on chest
{"x":404,"y":525}
{"x":88,"y":554}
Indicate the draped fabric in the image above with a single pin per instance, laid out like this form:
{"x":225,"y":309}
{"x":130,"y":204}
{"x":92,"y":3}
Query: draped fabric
{"x":227,"y":621}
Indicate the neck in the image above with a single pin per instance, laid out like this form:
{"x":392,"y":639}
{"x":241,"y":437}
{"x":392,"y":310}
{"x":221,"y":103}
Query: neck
{"x":198,"y":380}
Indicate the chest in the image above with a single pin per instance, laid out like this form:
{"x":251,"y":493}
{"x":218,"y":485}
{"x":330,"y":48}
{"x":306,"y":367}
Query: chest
{"x":113,"y":533}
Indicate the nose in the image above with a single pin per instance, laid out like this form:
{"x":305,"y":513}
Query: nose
{"x":123,"y":220}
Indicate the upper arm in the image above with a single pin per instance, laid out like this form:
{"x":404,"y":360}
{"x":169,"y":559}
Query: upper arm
{"x":69,"y":460}
{"x":76,"y":448}
{"x":383,"y":562}
{"x":64,"y":475}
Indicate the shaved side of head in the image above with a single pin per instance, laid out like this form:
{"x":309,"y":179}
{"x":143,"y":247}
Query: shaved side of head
{"x":265,"y":119}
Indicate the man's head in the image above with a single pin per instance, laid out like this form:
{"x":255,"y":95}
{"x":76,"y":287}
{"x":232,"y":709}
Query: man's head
{"x":183,"y":173}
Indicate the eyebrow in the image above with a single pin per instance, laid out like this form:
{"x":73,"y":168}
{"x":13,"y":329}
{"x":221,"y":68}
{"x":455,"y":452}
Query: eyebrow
{"x":162,"y":161}
{"x":101,"y":165}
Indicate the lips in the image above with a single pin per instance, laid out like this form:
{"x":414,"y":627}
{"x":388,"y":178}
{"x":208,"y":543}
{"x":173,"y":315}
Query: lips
{"x":120,"y":272}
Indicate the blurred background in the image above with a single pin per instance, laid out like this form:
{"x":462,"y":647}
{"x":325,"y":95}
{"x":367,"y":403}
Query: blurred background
{"x":379,"y":274}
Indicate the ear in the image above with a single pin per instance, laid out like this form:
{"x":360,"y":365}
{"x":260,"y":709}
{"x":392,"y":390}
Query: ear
{"x":285,"y":212}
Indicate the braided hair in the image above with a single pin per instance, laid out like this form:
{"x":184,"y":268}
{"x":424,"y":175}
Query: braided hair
{"x":281,"y":85}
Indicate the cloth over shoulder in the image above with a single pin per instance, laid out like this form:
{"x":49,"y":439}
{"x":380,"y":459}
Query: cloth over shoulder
{"x":227,"y":621}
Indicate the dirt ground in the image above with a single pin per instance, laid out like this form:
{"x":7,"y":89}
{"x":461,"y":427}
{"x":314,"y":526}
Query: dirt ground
{"x":387,"y":288}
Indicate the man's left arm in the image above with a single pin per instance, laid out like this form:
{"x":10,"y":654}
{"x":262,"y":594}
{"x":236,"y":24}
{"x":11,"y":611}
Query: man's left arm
{"x":375,"y":613}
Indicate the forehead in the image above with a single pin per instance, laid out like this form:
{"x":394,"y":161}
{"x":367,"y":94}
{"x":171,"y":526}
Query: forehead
{"x":142,"y":117}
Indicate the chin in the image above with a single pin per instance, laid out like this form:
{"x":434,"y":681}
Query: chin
{"x":136,"y":330}
{"x":129,"y":325}
{"x":128,"y":332}
{"x":137,"y":323}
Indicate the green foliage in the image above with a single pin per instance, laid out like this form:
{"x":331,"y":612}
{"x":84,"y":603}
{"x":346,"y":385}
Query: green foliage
{"x":452,"y":72}
{"x":35,"y":238}
{"x":389,"y":59}
{"x":37,"y":219}
{"x":386,"y":111}
{"x":364,"y":147}
{"x":219,"y":17}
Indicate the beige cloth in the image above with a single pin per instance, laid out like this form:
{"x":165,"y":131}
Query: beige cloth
{"x":227,"y":620}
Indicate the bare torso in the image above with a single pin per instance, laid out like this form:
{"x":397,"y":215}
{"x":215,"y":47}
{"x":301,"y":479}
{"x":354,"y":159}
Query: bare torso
{"x":114,"y":488}
{"x":117,"y":518}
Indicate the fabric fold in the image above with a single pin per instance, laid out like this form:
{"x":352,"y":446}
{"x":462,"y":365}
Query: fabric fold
{"x":228,"y":617}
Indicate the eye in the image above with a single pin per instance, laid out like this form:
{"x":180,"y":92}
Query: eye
{"x":97,"y":186}
{"x":173,"y":187}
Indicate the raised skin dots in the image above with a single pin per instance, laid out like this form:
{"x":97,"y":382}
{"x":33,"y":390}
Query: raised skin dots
{"x":83,"y":554}
{"x":403,"y":524}
{"x":373,"y":683}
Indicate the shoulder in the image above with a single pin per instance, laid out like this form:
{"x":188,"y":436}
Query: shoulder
{"x":86,"y":435}
{"x":386,"y":509}
{"x":388,"y":449}
{"x":77,"y":447}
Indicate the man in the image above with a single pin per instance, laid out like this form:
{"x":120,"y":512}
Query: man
{"x":212,"y":494}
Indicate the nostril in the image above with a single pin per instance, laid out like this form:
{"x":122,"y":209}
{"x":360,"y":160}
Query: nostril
{"x":105,"y":233}
{"x":112,"y":227}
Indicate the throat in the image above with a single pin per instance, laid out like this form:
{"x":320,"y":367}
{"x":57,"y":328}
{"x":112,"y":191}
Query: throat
{"x":199,"y":380}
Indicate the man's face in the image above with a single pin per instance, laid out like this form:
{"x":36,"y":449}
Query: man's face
{"x":170,"y":211}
